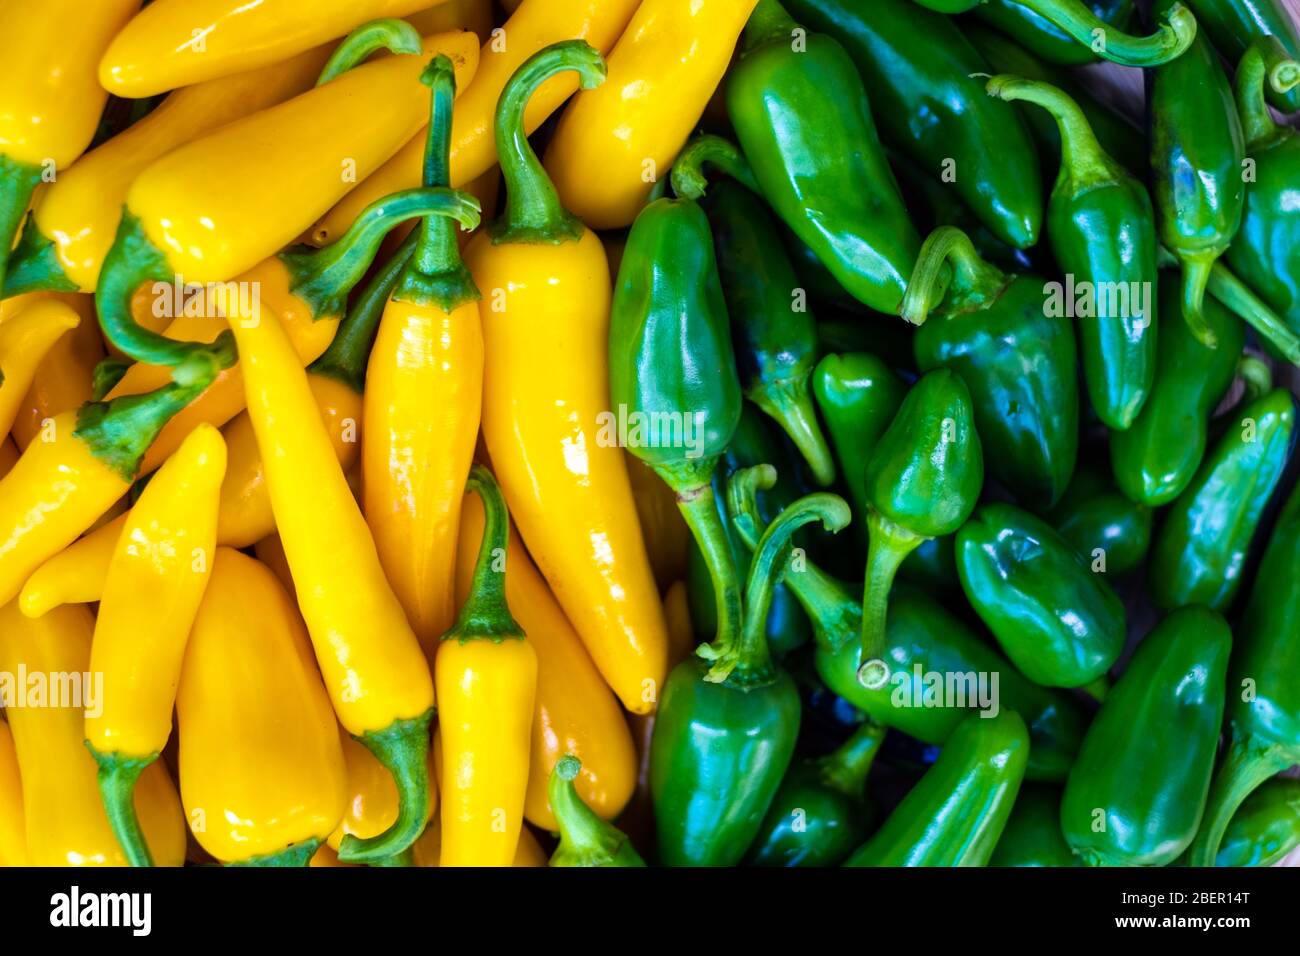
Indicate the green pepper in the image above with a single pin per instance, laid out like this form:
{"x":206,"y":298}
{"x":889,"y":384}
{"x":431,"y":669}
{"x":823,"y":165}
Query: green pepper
{"x":1266,"y":828}
{"x":918,"y":67}
{"x":923,"y":480}
{"x":1158,"y":455}
{"x":821,"y":811}
{"x":801,"y":114}
{"x":955,"y":814}
{"x":1264,"y":702}
{"x":1135,"y":795}
{"x":1060,"y":623}
{"x":1235,"y":25}
{"x":1033,"y":834}
{"x":1197,"y":150}
{"x":585,"y":839}
{"x":1266,"y":252}
{"x":773,"y":331}
{"x":1108,"y":529}
{"x":1017,"y":358}
{"x":933,"y":566}
{"x":1044,"y":37}
{"x":1200,"y":552}
{"x":1103,"y":233}
{"x":724,"y":735}
{"x":813,"y":273}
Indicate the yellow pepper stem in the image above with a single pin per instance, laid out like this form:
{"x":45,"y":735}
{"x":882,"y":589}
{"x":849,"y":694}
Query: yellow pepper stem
{"x":17,"y":183}
{"x":403,"y":749}
{"x":117,"y":776}
{"x":396,"y":36}
{"x":299,"y":854}
{"x":486,"y":615}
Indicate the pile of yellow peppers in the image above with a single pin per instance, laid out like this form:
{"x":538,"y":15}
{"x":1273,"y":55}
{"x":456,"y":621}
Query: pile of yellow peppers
{"x":252,"y":600}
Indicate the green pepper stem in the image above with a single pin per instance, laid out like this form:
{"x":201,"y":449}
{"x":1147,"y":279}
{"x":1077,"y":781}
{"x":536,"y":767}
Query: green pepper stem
{"x":34,"y":265}
{"x":403,"y":749}
{"x":17,"y":183}
{"x":846,"y":769}
{"x":1256,"y":120}
{"x":585,"y":839}
{"x":790,"y":404}
{"x":299,"y":854}
{"x":396,"y":36}
{"x":117,"y":778}
{"x":973,"y":280}
{"x":1083,"y":159}
{"x":105,"y":376}
{"x":1169,"y":42}
{"x":1098,"y":689}
{"x":1246,"y":765}
{"x":120,"y":431}
{"x":689,"y":181}
{"x":890,"y":544}
{"x":486,"y":615}
{"x":768,"y":21}
{"x":1196,"y":276}
{"x":534,"y":213}
{"x":1256,"y":375}
{"x":1240,"y":300}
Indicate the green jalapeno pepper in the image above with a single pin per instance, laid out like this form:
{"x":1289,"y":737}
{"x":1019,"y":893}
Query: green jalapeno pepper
{"x":1266,"y":828}
{"x":1033,"y":834}
{"x":1045,"y":38}
{"x":812,"y":272}
{"x":585,"y":839}
{"x":1108,"y":529}
{"x":1200,"y":552}
{"x":1135,"y":795}
{"x":1235,"y":25}
{"x":956,"y":813}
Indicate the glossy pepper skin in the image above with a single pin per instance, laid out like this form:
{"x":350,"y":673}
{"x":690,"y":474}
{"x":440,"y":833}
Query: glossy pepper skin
{"x":923,"y":481}
{"x":1102,"y":227}
{"x":1132,"y":799}
{"x":1057,"y":620}
{"x":803,"y":120}
{"x":1159,"y":454}
{"x":613,"y":141}
{"x":25,"y":340}
{"x":916,"y":63}
{"x":1197,"y":150}
{"x":1266,"y":828}
{"x":65,"y":822}
{"x":547,"y":400}
{"x":1044,"y":38}
{"x":1015,"y":354}
{"x":158,"y":573}
{"x":957,"y":811}
{"x":63,"y":382}
{"x":585,"y":838}
{"x":13,"y":826}
{"x":821,"y":813}
{"x":248,"y":685}
{"x":1236,"y":25}
{"x":1033,"y":834}
{"x":1111,"y":531}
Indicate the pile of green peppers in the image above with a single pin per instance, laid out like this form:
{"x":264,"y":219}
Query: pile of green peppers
{"x":995,"y":450}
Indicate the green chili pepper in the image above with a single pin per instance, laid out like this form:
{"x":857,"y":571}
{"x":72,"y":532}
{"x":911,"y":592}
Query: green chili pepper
{"x":813,"y":273}
{"x":1201,"y":549}
{"x":1102,"y":227}
{"x":1017,"y":358}
{"x":955,"y":814}
{"x":932,"y":566}
{"x":1044,"y":37}
{"x":1266,"y":828}
{"x":801,"y":114}
{"x":917,"y":65}
{"x":585,"y":839}
{"x":1158,"y":455}
{"x":1135,"y":795}
{"x":1060,"y":623}
{"x":723,"y":738}
{"x":1235,"y":25}
{"x":923,"y":480}
{"x":1264,"y":698}
{"x":1033,"y":834}
{"x":1108,"y":529}
{"x":821,"y":811}
{"x":1197,"y":150}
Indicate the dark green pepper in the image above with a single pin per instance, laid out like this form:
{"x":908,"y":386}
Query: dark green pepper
{"x":1200,"y":552}
{"x":1033,"y":834}
{"x":801,"y":114}
{"x":1060,"y":623}
{"x":813,"y":273}
{"x":1102,"y":227}
{"x":1135,"y":795}
{"x":933,"y":566}
{"x":1107,"y":528}
{"x":956,"y":813}
{"x":1235,"y":25}
{"x":1016,"y":357}
{"x":821,"y":811}
{"x":1157,"y":456}
{"x":1197,"y":150}
{"x":1266,"y":828}
{"x":585,"y":839}
{"x":918,"y":67}
{"x":1044,"y":37}
{"x":922,"y":481}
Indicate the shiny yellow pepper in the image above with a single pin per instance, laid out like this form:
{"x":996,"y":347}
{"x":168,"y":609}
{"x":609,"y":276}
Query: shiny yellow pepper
{"x":64,"y":380}
{"x":427,"y":850}
{"x":13,"y":835}
{"x":475,"y":16}
{"x":372,"y":797}
{"x":25,"y":340}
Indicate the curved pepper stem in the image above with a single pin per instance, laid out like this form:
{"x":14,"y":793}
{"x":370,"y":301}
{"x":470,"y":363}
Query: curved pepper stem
{"x":847,"y":768}
{"x":1256,"y":375}
{"x":1246,"y":765}
{"x":17,"y":183}
{"x":1256,"y":120}
{"x":403,"y":749}
{"x":688,"y":177}
{"x":1169,"y":42}
{"x":534,"y":213}
{"x":487,"y":614}
{"x":973,"y":281}
{"x":585,"y":839}
{"x":299,"y":854}
{"x":1240,"y":300}
{"x":890,"y":543}
{"x":1196,"y":268}
{"x":117,"y":778}
{"x":396,"y":36}
{"x":1083,"y":159}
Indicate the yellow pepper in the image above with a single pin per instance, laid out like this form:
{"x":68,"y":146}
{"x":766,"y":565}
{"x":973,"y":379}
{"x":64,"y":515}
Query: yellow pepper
{"x":262,"y":775}
{"x":64,"y":380}
{"x":545,"y":327}
{"x":486,"y":674}
{"x":25,"y":340}
{"x":50,"y":97}
{"x":371,"y":806}
{"x":472,"y":15}
{"x":65,"y":821}
{"x":681,"y":632}
{"x":270,"y":551}
{"x":76,"y":574}
{"x":427,"y":850}
{"x":667,"y":537}
{"x":613,"y":142}
{"x":158,"y":572}
{"x":536,"y":24}
{"x":575,"y":711}
{"x":8,"y":456}
{"x":13,"y":836}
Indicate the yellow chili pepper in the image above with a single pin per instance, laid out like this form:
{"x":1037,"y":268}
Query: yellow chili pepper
{"x":8,"y":456}
{"x":50,"y":97}
{"x":612,"y":142}
{"x":667,"y":537}
{"x":65,"y":822}
{"x":65,"y":378}
{"x":545,"y":328}
{"x":262,"y":775}
{"x":76,"y":574}
{"x":486,"y":674}
{"x":575,"y":711}
{"x":681,"y":632}
{"x":270,"y":551}
{"x":372,"y":798}
{"x":25,"y":340}
{"x":536,"y":24}
{"x":427,"y":850}
{"x":158,"y":572}
{"x":472,"y":15}
{"x":13,"y":836}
